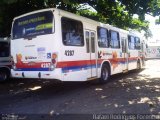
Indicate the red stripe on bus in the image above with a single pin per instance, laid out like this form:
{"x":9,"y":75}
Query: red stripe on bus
{"x":89,"y":62}
{"x":63,"y":64}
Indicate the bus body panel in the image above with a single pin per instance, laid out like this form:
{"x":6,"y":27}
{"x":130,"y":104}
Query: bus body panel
{"x":34,"y":55}
{"x":38,"y":74}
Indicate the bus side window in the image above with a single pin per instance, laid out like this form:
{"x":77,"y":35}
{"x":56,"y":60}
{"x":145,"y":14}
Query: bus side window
{"x":115,"y":41}
{"x":123,"y":45}
{"x":103,"y":36}
{"x":137,"y":43}
{"x":93,"y":42}
{"x":87,"y":41}
{"x":131,"y":42}
{"x":72,"y":32}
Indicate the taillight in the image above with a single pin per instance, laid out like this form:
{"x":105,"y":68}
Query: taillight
{"x":54,"y":57}
{"x":53,"y":61}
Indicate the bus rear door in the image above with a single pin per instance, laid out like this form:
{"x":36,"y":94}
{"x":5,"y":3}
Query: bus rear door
{"x":124,"y":54}
{"x":91,"y":53}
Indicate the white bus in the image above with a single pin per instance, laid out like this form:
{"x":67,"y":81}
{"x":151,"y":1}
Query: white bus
{"x":55,"y":44}
{"x":5,"y":62}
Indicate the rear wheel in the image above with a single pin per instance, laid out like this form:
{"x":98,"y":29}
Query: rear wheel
{"x":105,"y":74}
{"x":4,"y":75}
{"x":138,"y":65}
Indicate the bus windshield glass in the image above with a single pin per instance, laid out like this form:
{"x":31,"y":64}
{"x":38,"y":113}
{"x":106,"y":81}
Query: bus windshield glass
{"x":33,"y":25}
{"x":4,"y":49}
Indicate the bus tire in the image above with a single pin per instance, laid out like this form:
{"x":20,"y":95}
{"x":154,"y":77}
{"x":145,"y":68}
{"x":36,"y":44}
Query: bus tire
{"x":4,"y":75}
{"x":105,"y":74}
{"x":138,"y":65}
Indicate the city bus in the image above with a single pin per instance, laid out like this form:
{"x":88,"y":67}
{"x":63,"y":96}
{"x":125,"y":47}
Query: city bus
{"x":55,"y":44}
{"x":5,"y":61}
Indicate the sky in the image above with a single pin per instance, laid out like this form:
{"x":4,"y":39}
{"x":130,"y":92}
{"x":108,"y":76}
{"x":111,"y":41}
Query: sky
{"x":155,"y":29}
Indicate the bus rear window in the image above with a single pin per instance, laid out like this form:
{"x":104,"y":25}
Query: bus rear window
{"x":4,"y":49}
{"x":33,"y":25}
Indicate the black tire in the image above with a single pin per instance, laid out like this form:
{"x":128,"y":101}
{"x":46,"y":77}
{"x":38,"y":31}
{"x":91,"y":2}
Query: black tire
{"x":138,"y":65}
{"x":105,"y":74}
{"x":4,"y":75}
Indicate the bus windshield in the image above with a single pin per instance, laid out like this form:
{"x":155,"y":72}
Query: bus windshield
{"x":33,"y":25}
{"x":4,"y":49}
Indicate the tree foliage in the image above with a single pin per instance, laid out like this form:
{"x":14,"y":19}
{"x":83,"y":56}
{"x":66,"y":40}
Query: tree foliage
{"x":115,"y":12}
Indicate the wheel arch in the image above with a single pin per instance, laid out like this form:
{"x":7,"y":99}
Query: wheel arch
{"x":107,"y":62}
{"x":139,"y":60}
{"x":6,"y":68}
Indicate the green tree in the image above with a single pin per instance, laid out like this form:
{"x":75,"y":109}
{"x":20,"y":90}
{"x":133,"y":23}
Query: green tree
{"x":115,"y":12}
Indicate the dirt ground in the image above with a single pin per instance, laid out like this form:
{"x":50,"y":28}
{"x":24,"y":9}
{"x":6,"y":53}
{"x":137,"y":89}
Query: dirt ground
{"x":130,"y":93}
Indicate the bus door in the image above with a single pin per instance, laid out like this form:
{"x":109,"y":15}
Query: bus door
{"x":91,"y":53}
{"x":125,"y":54}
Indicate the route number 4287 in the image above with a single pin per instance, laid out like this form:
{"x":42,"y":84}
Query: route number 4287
{"x":69,"y":52}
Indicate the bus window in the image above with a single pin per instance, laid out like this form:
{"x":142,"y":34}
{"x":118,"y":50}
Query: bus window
{"x":4,"y":49}
{"x":131,"y":42}
{"x":102,"y":37}
{"x":93,"y":42}
{"x":115,"y":41}
{"x":87,"y":41}
{"x":137,"y":43}
{"x":123,"y":43}
{"x":72,"y":32}
{"x":33,"y":25}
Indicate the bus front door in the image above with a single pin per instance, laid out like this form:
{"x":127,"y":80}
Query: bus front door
{"x":90,"y":37}
{"x":124,"y":55}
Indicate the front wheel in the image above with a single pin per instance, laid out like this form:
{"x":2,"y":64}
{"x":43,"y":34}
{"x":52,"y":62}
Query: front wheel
{"x":105,"y":74}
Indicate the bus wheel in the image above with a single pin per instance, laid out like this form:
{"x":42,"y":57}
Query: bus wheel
{"x":3,"y":76}
{"x":138,"y":65}
{"x":105,"y":74}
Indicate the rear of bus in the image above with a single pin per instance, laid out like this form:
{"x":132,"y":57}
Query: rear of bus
{"x":34,"y":49}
